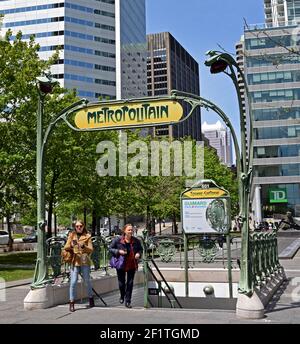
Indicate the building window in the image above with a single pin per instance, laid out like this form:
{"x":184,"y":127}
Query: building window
{"x":105,"y":82}
{"x":276,"y":114}
{"x":277,"y":133}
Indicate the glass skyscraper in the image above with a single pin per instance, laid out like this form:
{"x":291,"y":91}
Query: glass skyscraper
{"x":90,"y":34}
{"x":270,"y":57}
{"x":131,"y":49}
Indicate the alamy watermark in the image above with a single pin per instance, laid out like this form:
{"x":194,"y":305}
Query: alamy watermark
{"x":296,"y":291}
{"x":156,"y":158}
{"x":2,"y":290}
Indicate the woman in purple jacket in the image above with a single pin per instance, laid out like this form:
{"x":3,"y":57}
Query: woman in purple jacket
{"x":130,"y":247}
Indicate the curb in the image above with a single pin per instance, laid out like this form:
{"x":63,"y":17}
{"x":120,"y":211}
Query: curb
{"x":20,"y":283}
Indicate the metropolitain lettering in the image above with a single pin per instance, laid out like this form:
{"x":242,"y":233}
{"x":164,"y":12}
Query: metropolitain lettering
{"x":140,"y":114}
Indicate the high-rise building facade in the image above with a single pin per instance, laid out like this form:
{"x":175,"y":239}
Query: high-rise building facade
{"x":131,"y":48}
{"x":270,"y":57}
{"x":282,"y":12}
{"x":91,"y":35}
{"x":219,"y":138}
{"x":171,"y":67}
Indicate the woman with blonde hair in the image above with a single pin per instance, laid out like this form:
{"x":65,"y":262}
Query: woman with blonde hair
{"x":80,"y":244}
{"x":130,"y":247}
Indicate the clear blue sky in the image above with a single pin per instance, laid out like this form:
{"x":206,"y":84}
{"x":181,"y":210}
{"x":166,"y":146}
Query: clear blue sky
{"x":199,"y":26}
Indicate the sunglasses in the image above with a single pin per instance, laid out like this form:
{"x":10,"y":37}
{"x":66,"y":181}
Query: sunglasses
{"x":79,"y":226}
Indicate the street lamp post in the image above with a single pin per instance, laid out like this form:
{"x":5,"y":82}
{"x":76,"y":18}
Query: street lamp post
{"x":220,"y":62}
{"x":45,"y":85}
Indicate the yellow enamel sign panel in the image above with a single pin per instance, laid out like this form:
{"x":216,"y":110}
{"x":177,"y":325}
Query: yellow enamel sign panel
{"x":209,"y":193}
{"x":125,"y":115}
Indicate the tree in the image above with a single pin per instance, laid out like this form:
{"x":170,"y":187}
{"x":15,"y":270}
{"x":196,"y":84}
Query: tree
{"x":222,"y":175}
{"x":19,"y":66}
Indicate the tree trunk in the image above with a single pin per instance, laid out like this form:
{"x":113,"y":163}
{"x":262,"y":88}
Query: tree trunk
{"x":159,"y":226}
{"x":49,"y":222}
{"x":175,"y":224}
{"x":10,"y":242}
{"x":152,"y":226}
{"x":98,"y":224}
{"x":85,"y":216}
{"x":94,"y":222}
{"x":55,"y":224}
{"x":148,"y":220}
{"x":109,"y":225}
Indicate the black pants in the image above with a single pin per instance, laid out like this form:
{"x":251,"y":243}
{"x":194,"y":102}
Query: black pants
{"x":126,"y":287}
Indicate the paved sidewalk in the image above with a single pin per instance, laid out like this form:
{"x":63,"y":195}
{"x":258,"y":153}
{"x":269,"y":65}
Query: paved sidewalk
{"x":285,"y":308}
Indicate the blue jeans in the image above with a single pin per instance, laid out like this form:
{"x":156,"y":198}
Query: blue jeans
{"x":85,"y":272}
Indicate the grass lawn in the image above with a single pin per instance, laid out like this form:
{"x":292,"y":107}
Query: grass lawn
{"x":15,"y":274}
{"x":18,"y":236}
{"x":26,"y":258}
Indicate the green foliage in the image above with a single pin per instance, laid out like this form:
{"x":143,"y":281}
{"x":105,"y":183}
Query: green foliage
{"x":19,"y":65}
{"x":222,"y":175}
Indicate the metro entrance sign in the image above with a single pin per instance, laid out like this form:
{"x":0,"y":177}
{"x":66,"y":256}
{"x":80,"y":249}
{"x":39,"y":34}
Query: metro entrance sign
{"x":103,"y":116}
{"x":112,"y":115}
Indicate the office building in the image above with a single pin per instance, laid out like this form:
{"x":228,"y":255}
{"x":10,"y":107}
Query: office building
{"x":219,"y":138}
{"x":131,"y":49}
{"x":171,"y":67}
{"x":92,"y":36}
{"x":281,"y":12}
{"x":271,"y":65}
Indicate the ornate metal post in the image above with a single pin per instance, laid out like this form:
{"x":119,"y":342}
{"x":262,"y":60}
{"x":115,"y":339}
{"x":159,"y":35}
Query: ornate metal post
{"x":219,"y":62}
{"x":186,"y":264}
{"x":45,"y":85}
{"x":41,"y":271}
{"x":145,"y":266}
{"x":228,"y":244}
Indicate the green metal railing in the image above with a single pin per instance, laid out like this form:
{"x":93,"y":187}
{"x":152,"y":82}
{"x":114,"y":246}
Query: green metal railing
{"x":170,"y":249}
{"x":264,"y":257}
{"x":57,"y":268}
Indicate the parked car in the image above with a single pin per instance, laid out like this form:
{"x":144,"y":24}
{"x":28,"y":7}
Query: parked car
{"x":30,"y":238}
{"x":4,"y":238}
{"x":153,"y":241}
{"x":64,"y":234}
{"x":104,"y":231}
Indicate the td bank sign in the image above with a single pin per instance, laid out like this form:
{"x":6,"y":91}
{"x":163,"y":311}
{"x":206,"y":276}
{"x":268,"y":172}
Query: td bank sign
{"x":278,"y":196}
